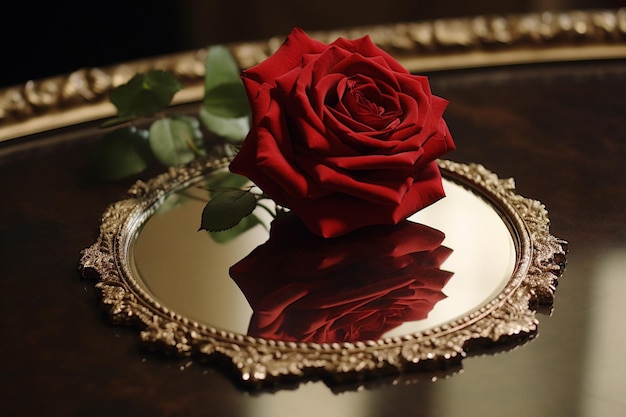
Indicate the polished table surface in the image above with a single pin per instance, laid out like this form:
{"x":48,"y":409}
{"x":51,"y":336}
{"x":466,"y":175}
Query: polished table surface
{"x":559,"y":129}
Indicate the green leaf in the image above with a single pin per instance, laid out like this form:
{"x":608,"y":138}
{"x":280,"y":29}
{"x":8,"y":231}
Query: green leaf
{"x":220,"y":68}
{"x":235,"y":129}
{"x":145,"y":94}
{"x":176,"y":140}
{"x":227,"y":100}
{"x":226,"y":210}
{"x":245,"y":224}
{"x":120,"y":153}
{"x":223,"y":180}
{"x":225,"y":110}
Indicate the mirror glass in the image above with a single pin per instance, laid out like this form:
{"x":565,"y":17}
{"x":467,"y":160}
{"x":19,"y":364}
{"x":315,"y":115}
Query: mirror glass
{"x":444,"y":262}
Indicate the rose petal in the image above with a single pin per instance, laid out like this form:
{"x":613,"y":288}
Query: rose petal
{"x":367,"y":48}
{"x":287,"y":56}
{"x":358,"y":135}
{"x":325,"y":93}
{"x":323,"y":217}
{"x":375,"y":189}
{"x":395,"y":161}
{"x":265,"y":159}
{"x":343,"y":126}
{"x":360,"y":99}
{"x":357,"y":64}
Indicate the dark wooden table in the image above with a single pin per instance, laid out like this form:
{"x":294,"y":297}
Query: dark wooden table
{"x":559,"y":129}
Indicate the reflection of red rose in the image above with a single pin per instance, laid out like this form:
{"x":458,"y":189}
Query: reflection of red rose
{"x":304,"y":288}
{"x":342,"y":134}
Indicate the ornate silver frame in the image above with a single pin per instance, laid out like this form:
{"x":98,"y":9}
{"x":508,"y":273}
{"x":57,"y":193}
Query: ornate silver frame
{"x":508,"y":317}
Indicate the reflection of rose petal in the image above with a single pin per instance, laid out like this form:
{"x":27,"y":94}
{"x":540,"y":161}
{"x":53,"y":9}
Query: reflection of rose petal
{"x":309,"y":289}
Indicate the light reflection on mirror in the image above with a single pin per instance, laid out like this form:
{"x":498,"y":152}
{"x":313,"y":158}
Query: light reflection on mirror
{"x":187,"y":271}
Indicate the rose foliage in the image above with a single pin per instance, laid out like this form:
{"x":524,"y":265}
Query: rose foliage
{"x":342,"y":134}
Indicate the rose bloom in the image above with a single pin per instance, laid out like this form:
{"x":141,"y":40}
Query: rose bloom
{"x":305,"y":288}
{"x":342,"y":134}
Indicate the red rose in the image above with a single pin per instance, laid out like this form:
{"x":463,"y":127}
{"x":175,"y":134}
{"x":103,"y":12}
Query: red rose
{"x":305,"y":288}
{"x":342,"y":134}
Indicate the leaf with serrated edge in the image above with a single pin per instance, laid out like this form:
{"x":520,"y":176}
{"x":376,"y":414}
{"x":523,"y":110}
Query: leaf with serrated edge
{"x":175,"y":141}
{"x":227,"y":100}
{"x":226,"y":210}
{"x":225,"y":110}
{"x":225,"y":180}
{"x":145,"y":94}
{"x":220,"y":67}
{"x":233,"y":128}
{"x":120,"y":153}
{"x":245,"y":224}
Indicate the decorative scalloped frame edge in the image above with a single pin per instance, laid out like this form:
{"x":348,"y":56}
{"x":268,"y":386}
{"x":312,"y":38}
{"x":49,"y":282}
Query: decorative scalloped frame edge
{"x":511,"y":315}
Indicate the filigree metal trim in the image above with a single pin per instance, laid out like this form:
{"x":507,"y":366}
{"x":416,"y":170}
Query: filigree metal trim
{"x":478,"y":41}
{"x":511,"y":315}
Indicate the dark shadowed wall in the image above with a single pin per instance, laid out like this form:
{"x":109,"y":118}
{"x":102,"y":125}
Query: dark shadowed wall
{"x":50,"y":38}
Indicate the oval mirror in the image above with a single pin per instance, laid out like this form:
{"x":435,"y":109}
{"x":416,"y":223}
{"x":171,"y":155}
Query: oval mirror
{"x":470,"y":270}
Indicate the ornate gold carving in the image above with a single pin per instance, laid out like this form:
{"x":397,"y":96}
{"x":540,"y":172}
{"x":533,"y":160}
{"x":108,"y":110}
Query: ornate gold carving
{"x":420,"y":40}
{"x":508,"y":316}
{"x":421,"y":46}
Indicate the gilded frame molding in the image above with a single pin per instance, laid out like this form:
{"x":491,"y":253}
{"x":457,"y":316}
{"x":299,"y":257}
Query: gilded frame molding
{"x":479,"y":41}
{"x":507,"y":319}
